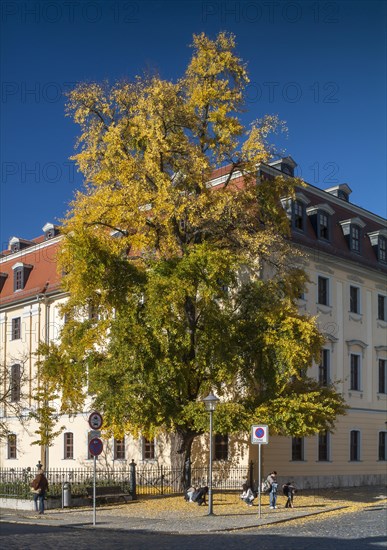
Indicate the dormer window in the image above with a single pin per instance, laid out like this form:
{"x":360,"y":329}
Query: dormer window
{"x":18,"y":278}
{"x":21,"y":272}
{"x":382,"y":252}
{"x":295,"y":210}
{"x":323,"y":226}
{"x":355,"y":238}
{"x":285,"y":165}
{"x":16,"y":244}
{"x":320,"y":217}
{"x":352,"y":230}
{"x":50,"y":231}
{"x":379,"y":244}
{"x":15,"y":247}
{"x":341,"y":191}
{"x":298,"y":216}
{"x":3,"y":277}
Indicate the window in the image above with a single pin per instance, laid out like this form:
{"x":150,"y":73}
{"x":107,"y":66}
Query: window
{"x":68,"y":444}
{"x":379,"y":244}
{"x":323,"y":369}
{"x":323,"y":226}
{"x":355,"y":372}
{"x":323,"y":291}
{"x":382,"y":250}
{"x":148,"y":449}
{"x":15,"y":383}
{"x":11,"y":445}
{"x":298,"y":215}
{"x":354,"y":241}
{"x":382,"y":306}
{"x":354,"y":453}
{"x":16,"y":328}
{"x":323,"y":447}
{"x":18,"y":274}
{"x":382,"y":386}
{"x":354,"y":299}
{"x":382,"y":446}
{"x":3,"y":278}
{"x":223,"y":289}
{"x":21,"y":273}
{"x":119,"y":449}
{"x":221,"y":447}
{"x":93,"y":312}
{"x":297,"y":448}
{"x":320,"y":218}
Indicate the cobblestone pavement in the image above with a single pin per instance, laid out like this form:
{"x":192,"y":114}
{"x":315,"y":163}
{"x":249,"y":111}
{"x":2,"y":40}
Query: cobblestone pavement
{"x":174,"y":515}
{"x":361,"y":530}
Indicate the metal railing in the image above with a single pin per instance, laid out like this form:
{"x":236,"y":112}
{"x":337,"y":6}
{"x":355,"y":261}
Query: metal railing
{"x":134,"y":479}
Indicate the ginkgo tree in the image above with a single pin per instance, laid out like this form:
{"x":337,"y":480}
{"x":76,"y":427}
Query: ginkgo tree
{"x":192,"y":287}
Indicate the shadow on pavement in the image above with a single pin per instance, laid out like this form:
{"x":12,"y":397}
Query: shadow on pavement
{"x":37,"y":537}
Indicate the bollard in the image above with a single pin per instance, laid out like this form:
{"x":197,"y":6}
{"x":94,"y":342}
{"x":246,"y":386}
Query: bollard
{"x":132,"y":480}
{"x":66,"y":495}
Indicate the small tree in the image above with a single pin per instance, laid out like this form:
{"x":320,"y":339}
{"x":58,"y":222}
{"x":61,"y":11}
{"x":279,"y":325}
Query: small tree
{"x":45,"y":414}
{"x":13,"y":396}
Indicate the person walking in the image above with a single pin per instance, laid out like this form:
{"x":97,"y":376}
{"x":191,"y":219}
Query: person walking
{"x":272,"y":480}
{"x":40,"y":486}
{"x":289,"y":490}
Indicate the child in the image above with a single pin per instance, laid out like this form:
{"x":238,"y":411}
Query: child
{"x":190,"y":493}
{"x":199,"y":496}
{"x":289,"y":490}
{"x":247,"y":496}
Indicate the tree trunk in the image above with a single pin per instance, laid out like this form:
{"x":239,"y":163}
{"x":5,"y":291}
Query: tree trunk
{"x":181,"y":444}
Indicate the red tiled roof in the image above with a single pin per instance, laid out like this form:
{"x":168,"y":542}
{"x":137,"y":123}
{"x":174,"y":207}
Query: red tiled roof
{"x":43,"y":277}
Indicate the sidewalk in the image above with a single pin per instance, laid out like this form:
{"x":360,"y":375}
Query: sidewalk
{"x":174,"y":515}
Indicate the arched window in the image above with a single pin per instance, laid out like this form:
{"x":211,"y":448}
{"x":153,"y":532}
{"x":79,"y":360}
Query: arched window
{"x":68,"y":445}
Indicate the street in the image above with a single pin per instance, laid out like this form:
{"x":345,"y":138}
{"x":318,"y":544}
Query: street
{"x":364,"y":530}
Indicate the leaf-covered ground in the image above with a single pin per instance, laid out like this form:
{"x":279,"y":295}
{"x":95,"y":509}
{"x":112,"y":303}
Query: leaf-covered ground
{"x":347,"y":499}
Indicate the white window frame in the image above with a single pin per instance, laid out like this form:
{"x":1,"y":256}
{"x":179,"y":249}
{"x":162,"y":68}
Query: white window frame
{"x":144,"y":440}
{"x":66,"y":445}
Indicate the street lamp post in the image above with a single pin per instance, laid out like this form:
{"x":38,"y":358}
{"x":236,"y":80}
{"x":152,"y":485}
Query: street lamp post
{"x":210,"y":402}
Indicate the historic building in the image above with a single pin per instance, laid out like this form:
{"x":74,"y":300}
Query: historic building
{"x":345,"y":250}
{"x":29,"y":297}
{"x":345,"y":256}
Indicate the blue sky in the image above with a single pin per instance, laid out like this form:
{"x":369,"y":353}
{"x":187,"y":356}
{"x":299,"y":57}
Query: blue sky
{"x":319,"y":65}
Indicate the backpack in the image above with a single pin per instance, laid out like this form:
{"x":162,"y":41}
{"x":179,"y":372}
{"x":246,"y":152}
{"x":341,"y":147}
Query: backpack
{"x":265,"y":486}
{"x":285,"y":490}
{"x":34,"y":483}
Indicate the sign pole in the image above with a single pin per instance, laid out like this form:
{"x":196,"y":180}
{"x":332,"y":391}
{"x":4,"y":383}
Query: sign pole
{"x":95,"y":449}
{"x":259,"y":436}
{"x":94,"y":484}
{"x":259,"y":480}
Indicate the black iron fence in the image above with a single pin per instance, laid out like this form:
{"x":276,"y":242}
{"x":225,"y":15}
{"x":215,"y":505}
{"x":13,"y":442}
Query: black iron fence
{"x":133,"y":479}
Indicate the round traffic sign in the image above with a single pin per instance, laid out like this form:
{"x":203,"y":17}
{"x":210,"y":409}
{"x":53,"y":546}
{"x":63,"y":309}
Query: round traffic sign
{"x":95,"y":446}
{"x":259,"y":432}
{"x":95,"y":420}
